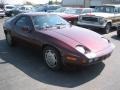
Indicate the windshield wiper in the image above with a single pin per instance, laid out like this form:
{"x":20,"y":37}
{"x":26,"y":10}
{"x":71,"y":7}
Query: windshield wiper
{"x":44,"y":27}
{"x":60,"y":24}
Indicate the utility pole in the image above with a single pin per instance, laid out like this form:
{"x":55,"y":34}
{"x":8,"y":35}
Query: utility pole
{"x":84,"y":3}
{"x":56,"y":1}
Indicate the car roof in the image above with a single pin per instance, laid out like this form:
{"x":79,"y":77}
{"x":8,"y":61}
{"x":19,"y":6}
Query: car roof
{"x":36,"y":13}
{"x":114,"y":5}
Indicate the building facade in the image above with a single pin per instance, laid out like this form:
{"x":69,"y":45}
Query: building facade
{"x":88,"y":3}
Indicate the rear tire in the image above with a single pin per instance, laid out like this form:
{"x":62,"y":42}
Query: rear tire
{"x":9,"y":39}
{"x":52,"y":58}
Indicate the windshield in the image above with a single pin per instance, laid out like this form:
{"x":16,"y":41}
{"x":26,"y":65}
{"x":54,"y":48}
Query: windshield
{"x":73,"y":11}
{"x":69,"y":10}
{"x":106,"y":9}
{"x":9,"y":7}
{"x":39,"y":9}
{"x":60,"y":9}
{"x":16,"y":7}
{"x":47,"y":21}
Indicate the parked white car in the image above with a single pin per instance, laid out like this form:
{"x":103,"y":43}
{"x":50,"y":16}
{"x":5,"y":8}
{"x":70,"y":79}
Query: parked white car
{"x":2,"y":13}
{"x":26,"y":8}
{"x":8,"y":8}
{"x":103,"y":18}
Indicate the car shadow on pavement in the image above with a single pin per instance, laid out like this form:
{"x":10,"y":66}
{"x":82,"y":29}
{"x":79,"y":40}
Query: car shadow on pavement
{"x":115,"y":37}
{"x":29,"y":61}
{"x":100,"y":31}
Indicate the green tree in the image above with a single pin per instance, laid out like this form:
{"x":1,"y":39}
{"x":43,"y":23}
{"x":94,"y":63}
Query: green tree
{"x":28,"y":3}
{"x":2,"y":4}
{"x":50,"y":2}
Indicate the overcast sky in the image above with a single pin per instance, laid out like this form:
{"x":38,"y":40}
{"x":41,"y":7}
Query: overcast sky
{"x":21,"y":1}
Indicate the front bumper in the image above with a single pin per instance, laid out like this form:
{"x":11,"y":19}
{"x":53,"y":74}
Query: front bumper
{"x":91,"y":25}
{"x":100,"y":56}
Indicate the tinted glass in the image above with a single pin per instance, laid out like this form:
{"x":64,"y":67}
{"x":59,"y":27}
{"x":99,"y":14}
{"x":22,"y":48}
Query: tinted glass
{"x":106,"y":9}
{"x":53,"y":7}
{"x":9,"y":7}
{"x":119,"y":10}
{"x":87,"y":11}
{"x":39,"y":9}
{"x":73,"y":11}
{"x":45,"y":21}
{"x":60,"y":9}
{"x":24,"y":21}
{"x":22,"y":8}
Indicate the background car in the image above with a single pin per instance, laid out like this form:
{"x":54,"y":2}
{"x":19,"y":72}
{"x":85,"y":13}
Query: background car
{"x":59,"y":42}
{"x":2,"y":13}
{"x":71,"y":14}
{"x":104,"y":17}
{"x":20,"y":9}
{"x":12,"y":11}
{"x":8,"y":8}
{"x":46,"y":8}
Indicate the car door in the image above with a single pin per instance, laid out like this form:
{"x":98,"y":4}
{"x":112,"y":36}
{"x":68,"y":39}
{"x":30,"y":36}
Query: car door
{"x":24,"y":29}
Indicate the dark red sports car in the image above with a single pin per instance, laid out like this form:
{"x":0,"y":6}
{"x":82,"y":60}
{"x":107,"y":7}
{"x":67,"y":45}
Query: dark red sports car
{"x":59,"y":41}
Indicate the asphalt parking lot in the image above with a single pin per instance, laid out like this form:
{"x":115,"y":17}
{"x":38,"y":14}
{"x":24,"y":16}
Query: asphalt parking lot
{"x":21,"y":68}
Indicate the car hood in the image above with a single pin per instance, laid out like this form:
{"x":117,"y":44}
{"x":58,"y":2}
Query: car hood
{"x":79,"y":36}
{"x":101,"y":14}
{"x":65,"y":15}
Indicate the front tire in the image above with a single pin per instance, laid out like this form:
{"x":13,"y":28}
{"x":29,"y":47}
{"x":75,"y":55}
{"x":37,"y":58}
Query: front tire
{"x":52,"y":58}
{"x":107,"y":28}
{"x":75,"y":22}
{"x":2,"y":16}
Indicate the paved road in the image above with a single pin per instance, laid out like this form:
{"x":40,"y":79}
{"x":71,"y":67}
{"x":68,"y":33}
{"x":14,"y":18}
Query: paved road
{"x":21,"y":68}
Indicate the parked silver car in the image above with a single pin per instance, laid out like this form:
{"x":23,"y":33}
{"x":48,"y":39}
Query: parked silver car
{"x":104,"y":17}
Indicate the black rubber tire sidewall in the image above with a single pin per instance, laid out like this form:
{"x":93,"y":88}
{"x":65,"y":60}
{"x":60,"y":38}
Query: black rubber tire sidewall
{"x":12,"y":41}
{"x":59,"y":63}
{"x":105,"y":29}
{"x":118,"y":34}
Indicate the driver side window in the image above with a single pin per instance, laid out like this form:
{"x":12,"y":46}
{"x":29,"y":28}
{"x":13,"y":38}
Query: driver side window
{"x":24,"y":21}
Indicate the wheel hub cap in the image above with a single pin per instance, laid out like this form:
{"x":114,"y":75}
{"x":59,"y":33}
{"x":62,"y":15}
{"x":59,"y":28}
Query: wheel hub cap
{"x":50,"y":58}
